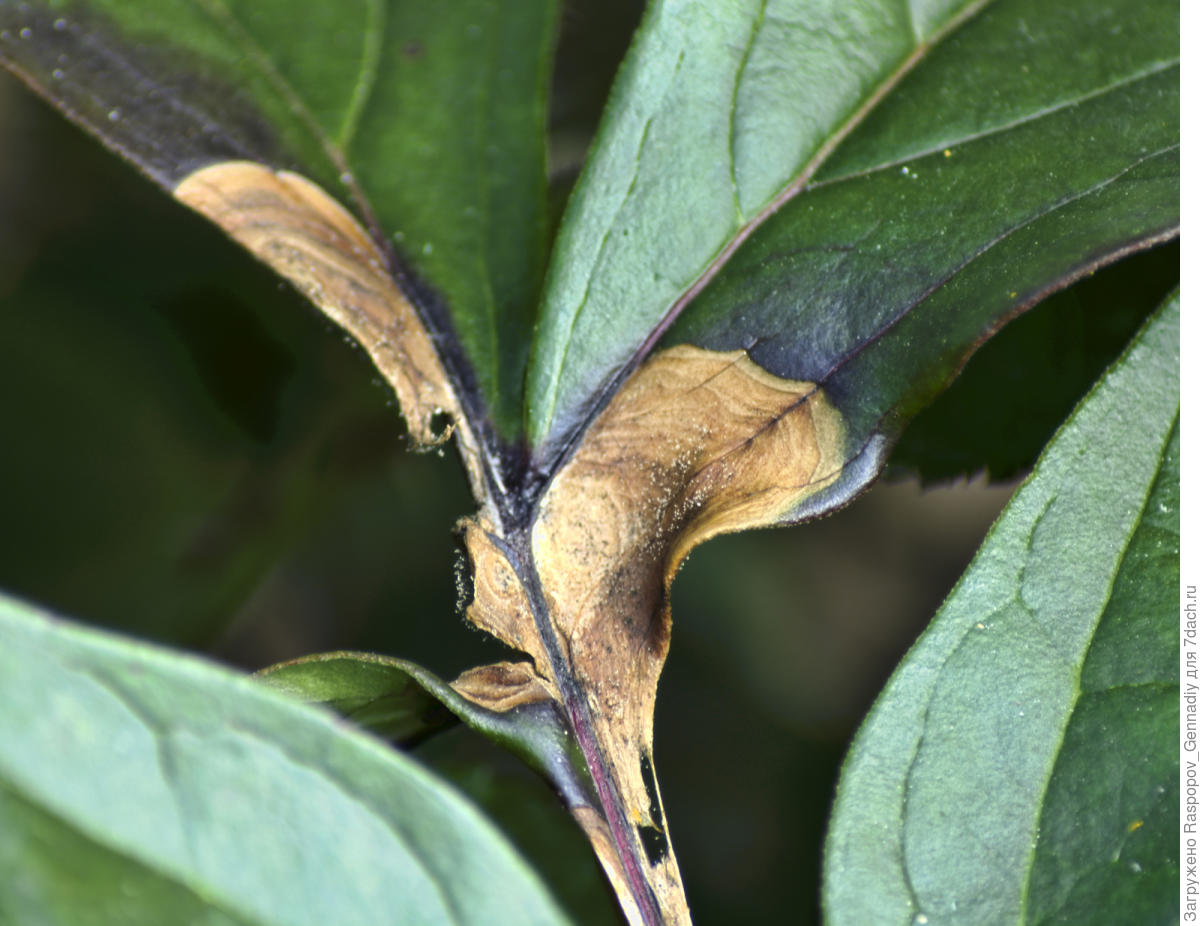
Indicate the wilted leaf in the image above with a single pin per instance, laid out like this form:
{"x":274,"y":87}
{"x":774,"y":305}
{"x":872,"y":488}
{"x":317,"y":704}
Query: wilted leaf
{"x":697,"y":443}
{"x":304,"y":235}
{"x":137,"y":781}
{"x":1020,"y":766}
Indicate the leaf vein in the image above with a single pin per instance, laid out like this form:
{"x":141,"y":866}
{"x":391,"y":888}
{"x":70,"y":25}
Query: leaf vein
{"x":1078,"y":667}
{"x":946,"y":278}
{"x":755,"y":29}
{"x":1026,"y":119}
{"x":368,"y":74}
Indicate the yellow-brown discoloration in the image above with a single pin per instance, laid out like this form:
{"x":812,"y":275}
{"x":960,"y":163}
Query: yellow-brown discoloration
{"x":600,"y":837}
{"x":504,"y":685}
{"x":695,"y":444}
{"x":498,"y":599}
{"x":306,"y":236}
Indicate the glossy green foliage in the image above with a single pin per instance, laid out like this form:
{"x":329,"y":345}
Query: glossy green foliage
{"x":428,"y":126}
{"x":1019,"y":767}
{"x":155,"y":783}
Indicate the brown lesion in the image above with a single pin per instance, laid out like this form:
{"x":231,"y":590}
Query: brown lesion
{"x":307,"y":237}
{"x":503,"y":686}
{"x":499,"y":602}
{"x":696,"y":443}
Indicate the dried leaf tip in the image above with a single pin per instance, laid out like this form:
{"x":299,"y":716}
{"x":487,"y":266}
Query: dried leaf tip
{"x":306,"y":236}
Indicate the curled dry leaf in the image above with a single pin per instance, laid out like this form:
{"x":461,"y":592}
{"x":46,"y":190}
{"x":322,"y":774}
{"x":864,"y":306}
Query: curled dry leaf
{"x":503,"y":686}
{"x":695,"y":444}
{"x":306,"y":236}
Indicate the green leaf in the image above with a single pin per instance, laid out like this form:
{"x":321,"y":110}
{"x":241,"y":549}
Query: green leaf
{"x":402,"y":701}
{"x":1020,"y":765}
{"x":429,"y":126}
{"x":406,"y":703}
{"x":1021,"y":385}
{"x":385,"y":695}
{"x":137,"y":780}
{"x":994,"y":172}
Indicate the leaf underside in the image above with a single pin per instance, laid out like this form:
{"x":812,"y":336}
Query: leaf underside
{"x":1049,"y":683}
{"x":188,"y":785}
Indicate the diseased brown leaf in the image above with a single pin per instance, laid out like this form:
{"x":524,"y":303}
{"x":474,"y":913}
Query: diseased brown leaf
{"x":302,"y":233}
{"x":599,"y":835}
{"x":695,"y":444}
{"x":503,"y":686}
{"x":499,"y":600}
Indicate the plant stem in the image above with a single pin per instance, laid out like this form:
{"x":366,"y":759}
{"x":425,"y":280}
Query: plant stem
{"x":583,"y":729}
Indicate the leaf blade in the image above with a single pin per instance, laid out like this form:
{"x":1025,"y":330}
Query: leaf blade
{"x":695,"y":111}
{"x":987,"y":698}
{"x":404,"y":702}
{"x":380,"y":694}
{"x":364,"y":100}
{"x":168,"y":759}
{"x":970,"y":64}
{"x":899,"y":280}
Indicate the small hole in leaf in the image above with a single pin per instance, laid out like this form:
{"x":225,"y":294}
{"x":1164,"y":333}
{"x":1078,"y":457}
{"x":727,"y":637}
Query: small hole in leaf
{"x":441,"y":423}
{"x":655,"y":843}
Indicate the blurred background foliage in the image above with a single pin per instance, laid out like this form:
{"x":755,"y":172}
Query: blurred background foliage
{"x":194,"y":455}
